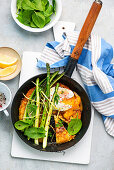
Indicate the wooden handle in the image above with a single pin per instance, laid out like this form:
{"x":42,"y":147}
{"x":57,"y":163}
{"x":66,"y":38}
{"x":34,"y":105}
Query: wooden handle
{"x":87,"y":28}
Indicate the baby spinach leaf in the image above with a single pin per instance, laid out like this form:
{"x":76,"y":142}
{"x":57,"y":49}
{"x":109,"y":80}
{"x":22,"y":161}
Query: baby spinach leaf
{"x":45,"y":2}
{"x":47,"y":5}
{"x":33,"y":133}
{"x":49,"y":11}
{"x":33,"y":25}
{"x":47,"y":20}
{"x":19,"y":3}
{"x":21,"y":125}
{"x":39,"y":5}
{"x":41,"y":130}
{"x":54,"y":6}
{"x":19,"y":17}
{"x":25,"y":17}
{"x":74,"y":126}
{"x":39,"y":19}
{"x":29,"y":121}
{"x":28,"y":5}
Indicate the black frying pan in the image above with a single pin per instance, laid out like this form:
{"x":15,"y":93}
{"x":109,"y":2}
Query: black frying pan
{"x":86,"y":113}
{"x":73,"y":85}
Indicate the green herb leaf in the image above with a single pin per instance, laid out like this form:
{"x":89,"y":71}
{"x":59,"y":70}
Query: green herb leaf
{"x":28,"y":5}
{"x":49,"y":11}
{"x":33,"y":25}
{"x":57,"y":125}
{"x":21,"y":125}
{"x":49,"y":134}
{"x":60,"y":121}
{"x":31,"y":109}
{"x":45,"y":2}
{"x":47,"y":20}
{"x":39,"y":5}
{"x":56,"y":99}
{"x":54,"y":6}
{"x":34,"y":133}
{"x":47,"y":5}
{"x":19,"y":4}
{"x":25,"y":17}
{"x":39,"y":19}
{"x":28,"y":121}
{"x":74,"y":126}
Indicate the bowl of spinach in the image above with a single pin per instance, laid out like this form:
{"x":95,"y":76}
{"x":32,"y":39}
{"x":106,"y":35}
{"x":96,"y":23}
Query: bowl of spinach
{"x":36,"y":15}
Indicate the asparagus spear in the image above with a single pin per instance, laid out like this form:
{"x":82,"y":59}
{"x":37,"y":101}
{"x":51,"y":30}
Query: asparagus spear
{"x":47,"y":94}
{"x":49,"y":117}
{"x":43,"y":82}
{"x":38,"y":108}
{"x":48,"y":80}
{"x":59,"y":76}
{"x":54,"y":75}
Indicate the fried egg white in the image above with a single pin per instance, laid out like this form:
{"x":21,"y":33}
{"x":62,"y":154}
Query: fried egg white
{"x":63,"y":94}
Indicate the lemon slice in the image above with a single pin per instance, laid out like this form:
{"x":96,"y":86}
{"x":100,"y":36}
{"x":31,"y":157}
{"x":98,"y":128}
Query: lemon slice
{"x":6,"y":61}
{"x":7,"y":71}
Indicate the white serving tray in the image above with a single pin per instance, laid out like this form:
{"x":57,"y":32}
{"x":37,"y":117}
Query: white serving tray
{"x":80,"y":153}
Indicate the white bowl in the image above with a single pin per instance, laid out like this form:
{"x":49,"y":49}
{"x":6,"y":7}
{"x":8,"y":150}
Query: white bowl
{"x":54,"y":17}
{"x":4,"y":89}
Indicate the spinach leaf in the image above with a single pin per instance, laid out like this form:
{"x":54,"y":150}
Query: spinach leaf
{"x":47,"y":20}
{"x":28,"y":121}
{"x":21,"y":125}
{"x":74,"y":126}
{"x":47,"y":5}
{"x":19,"y":3}
{"x":39,"y":5}
{"x":25,"y":17}
{"x":39,"y":19}
{"x":28,"y":5}
{"x":49,"y":11}
{"x":33,"y":25}
{"x":45,"y":2}
{"x":54,"y":6}
{"x":19,"y":17}
{"x":34,"y":133}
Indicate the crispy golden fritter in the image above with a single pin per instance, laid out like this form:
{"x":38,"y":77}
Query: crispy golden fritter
{"x":62,"y":135}
{"x":24,"y":102}
{"x":74,"y":111}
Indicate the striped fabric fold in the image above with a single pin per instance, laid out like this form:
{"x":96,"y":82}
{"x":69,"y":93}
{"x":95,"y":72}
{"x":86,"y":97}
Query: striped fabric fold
{"x":95,"y":69}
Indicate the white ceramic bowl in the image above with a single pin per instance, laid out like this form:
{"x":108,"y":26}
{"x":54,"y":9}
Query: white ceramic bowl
{"x":54,"y":17}
{"x":4,"y":89}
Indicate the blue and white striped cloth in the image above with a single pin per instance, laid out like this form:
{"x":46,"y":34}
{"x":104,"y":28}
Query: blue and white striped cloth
{"x":95,"y":68}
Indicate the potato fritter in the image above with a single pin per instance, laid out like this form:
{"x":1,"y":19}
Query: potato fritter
{"x":24,"y":102}
{"x":62,"y":135}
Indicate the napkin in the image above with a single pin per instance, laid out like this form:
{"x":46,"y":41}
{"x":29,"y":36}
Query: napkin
{"x":95,"y":69}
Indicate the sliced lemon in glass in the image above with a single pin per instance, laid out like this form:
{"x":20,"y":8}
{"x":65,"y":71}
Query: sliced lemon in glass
{"x":6,"y":61}
{"x":7,"y":71}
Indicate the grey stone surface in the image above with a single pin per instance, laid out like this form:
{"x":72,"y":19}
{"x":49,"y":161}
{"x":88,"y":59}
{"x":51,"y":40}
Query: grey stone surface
{"x":11,"y":35}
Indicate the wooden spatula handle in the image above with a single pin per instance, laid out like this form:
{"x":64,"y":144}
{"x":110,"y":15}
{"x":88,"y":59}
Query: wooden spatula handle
{"x":87,"y":28}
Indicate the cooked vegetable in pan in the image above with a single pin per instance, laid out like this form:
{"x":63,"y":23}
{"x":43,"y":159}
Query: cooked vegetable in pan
{"x":50,"y":111}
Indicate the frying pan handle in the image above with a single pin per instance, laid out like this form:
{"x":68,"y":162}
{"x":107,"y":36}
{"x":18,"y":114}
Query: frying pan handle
{"x":83,"y":36}
{"x":72,"y":63}
{"x":87,"y":28}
